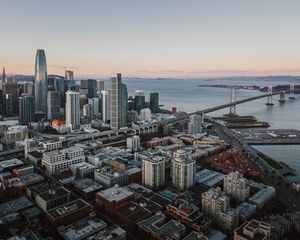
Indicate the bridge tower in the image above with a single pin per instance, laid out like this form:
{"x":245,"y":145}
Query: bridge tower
{"x":270,"y":96}
{"x":292,"y":91}
{"x":232,"y":109}
{"x":282,"y":97}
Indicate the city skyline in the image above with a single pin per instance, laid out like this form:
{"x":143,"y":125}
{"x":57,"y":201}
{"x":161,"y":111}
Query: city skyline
{"x":161,"y":39}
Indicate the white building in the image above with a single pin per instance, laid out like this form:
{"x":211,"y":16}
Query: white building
{"x":59,"y":160}
{"x":51,"y":145}
{"x":236,"y":187}
{"x":154,"y":172}
{"x":216,"y":205}
{"x":183,"y":173}
{"x":105,"y":98}
{"x":195,"y":124}
{"x":13,"y":134}
{"x":133,"y":143}
{"x":253,"y":230}
{"x":72,"y":109}
{"x":145,"y":114}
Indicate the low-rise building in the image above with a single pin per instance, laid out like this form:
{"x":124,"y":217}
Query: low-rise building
{"x":82,"y":229}
{"x":113,"y":232}
{"x":83,"y":169}
{"x":108,"y":177}
{"x":253,"y":230}
{"x":157,"y":227}
{"x":263,"y":196}
{"x":59,"y":160}
{"x":189,"y":214}
{"x":113,"y":197}
{"x":8,"y":165}
{"x":24,"y":170}
{"x":246,"y":211}
{"x":87,"y":188}
{"x":209,"y":178}
{"x":51,"y":198}
{"x":196,"y":236}
{"x":279,"y":226}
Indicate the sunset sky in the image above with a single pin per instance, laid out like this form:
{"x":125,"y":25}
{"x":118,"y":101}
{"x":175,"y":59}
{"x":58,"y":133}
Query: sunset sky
{"x":161,"y":38}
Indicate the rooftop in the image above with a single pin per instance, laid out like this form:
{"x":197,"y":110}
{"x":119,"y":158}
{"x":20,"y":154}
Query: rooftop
{"x":67,"y":208}
{"x":115,"y":193}
{"x":82,"y":228}
{"x":53,"y":193}
{"x":111,"y":233}
{"x":11,"y":163}
{"x":14,"y":205}
{"x":87,"y":185}
{"x":209,"y":177}
{"x":195,"y":236}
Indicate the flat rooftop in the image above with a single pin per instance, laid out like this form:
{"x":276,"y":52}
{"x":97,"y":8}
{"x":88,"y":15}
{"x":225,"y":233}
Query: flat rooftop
{"x":14,"y":162}
{"x":53,"y":194}
{"x":67,"y":209}
{"x":14,"y":205}
{"x":82,"y":228}
{"x":115,"y":193}
{"x":111,"y":233}
{"x":195,"y":236}
{"x":87,"y":185}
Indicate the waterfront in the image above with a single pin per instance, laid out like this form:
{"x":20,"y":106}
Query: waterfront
{"x":186,"y":96}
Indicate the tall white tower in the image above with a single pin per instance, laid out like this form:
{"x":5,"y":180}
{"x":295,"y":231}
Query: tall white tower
{"x":154,"y":172}
{"x":72,"y":109}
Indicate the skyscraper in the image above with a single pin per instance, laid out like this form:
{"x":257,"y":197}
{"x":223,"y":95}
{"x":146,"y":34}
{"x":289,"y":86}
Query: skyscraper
{"x":53,"y":105}
{"x":105,"y":101}
{"x":70,"y":83}
{"x":40,"y":82}
{"x":100,"y":85}
{"x":118,"y":104}
{"x":72,"y":109}
{"x":154,"y":172}
{"x":69,"y":75}
{"x":139,"y":103}
{"x":91,"y":86}
{"x":10,"y":87}
{"x":154,"y":102}
{"x":26,"y":109}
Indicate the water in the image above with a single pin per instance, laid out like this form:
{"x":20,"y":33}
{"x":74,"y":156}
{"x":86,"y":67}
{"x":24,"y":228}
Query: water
{"x":186,"y":96}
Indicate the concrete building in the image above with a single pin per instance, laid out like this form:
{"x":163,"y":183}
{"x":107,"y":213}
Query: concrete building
{"x":113,"y":232}
{"x":183,"y":173}
{"x":8,"y":165}
{"x":82,"y":229}
{"x":118,"y":103}
{"x":263,"y":196}
{"x":83,"y":169}
{"x":72,"y":109}
{"x":87,"y":111}
{"x":59,"y":160}
{"x":253,"y":230}
{"x":216,"y":205}
{"x":145,"y":114}
{"x":189,"y":214}
{"x":53,"y":105}
{"x":51,"y":145}
{"x":108,"y":177}
{"x":10,"y":93}
{"x":157,"y":227}
{"x":113,"y":197}
{"x":133,"y":143}
{"x":13,"y":134}
{"x":95,"y":106}
{"x":54,"y":197}
{"x":209,"y":178}
{"x":69,"y":75}
{"x":236,"y":187}
{"x":26,"y":109}
{"x":154,"y":172}
{"x":195,"y":124}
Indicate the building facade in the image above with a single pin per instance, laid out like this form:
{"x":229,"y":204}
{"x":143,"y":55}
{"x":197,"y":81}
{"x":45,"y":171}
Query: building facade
{"x":53,"y":105}
{"x":154,"y":172}
{"x":26,"y":109}
{"x":72,"y":109}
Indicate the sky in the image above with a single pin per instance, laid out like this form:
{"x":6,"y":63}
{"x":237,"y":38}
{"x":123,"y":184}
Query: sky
{"x":157,"y":38}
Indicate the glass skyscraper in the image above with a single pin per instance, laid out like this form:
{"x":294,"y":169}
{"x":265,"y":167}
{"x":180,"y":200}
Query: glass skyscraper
{"x":40,"y":82}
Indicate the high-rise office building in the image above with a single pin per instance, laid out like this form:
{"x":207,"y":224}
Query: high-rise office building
{"x":69,"y":75}
{"x":56,"y":83}
{"x":183,"y":173}
{"x":236,"y":187}
{"x":72,"y":109}
{"x":118,"y":104}
{"x":154,"y":172}
{"x":40,"y":82}
{"x":88,"y":111}
{"x":53,"y":105}
{"x":91,"y":86}
{"x":10,"y":87}
{"x":195,"y":124}
{"x":139,"y":103}
{"x":100,"y":85}
{"x":154,"y":102}
{"x":95,"y":106}
{"x":133,"y":143}
{"x":105,"y":101}
{"x":28,"y":89}
{"x":3,"y":76}
{"x":26,"y":109}
{"x":8,"y":104}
